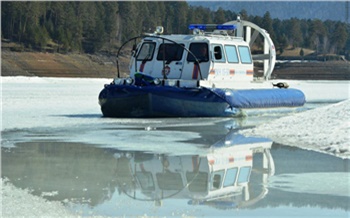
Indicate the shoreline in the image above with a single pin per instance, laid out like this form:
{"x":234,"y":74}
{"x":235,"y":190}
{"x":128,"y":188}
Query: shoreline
{"x":75,"y":65}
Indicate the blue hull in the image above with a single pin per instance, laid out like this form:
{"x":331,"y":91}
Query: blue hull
{"x":262,"y":98}
{"x":165,"y":101}
{"x":172,"y":101}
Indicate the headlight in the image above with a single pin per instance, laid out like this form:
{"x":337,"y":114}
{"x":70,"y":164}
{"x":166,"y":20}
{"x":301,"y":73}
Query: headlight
{"x":129,"y":81}
{"x":157,"y":81}
{"x":174,"y":83}
{"x":118,"y":81}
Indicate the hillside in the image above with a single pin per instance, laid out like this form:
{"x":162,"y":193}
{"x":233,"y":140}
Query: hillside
{"x":327,"y":70}
{"x":57,"y":65}
{"x":323,"y":10}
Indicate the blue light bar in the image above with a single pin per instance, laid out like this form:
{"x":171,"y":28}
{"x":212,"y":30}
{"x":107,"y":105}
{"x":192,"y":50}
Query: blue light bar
{"x":212,"y":26}
{"x":225,"y":27}
{"x":197,"y":26}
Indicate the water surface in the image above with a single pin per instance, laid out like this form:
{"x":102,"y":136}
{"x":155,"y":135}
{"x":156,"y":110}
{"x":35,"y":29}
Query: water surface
{"x":174,"y":167}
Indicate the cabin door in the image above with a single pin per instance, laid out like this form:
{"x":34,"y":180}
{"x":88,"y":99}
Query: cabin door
{"x":169,"y":61}
{"x":197,"y":62}
{"x":144,"y":63}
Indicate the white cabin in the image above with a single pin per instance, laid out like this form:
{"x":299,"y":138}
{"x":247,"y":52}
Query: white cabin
{"x":220,"y":55}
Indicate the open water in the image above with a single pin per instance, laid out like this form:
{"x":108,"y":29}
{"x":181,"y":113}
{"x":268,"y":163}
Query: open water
{"x":175,"y":167}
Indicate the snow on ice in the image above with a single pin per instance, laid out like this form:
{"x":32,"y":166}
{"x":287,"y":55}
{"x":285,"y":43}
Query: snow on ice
{"x":325,"y":129}
{"x":20,"y":203}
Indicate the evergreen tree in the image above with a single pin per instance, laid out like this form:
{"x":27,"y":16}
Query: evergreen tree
{"x":129,"y":19}
{"x":199,"y":15}
{"x":301,"y":53}
{"x":230,"y":15}
{"x":281,"y":39}
{"x":92,"y":26}
{"x":170,"y":14}
{"x":11,"y":20}
{"x":347,"y":45}
{"x":267,"y":25}
{"x":219,"y":16}
{"x":317,"y":32}
{"x":293,"y":33}
{"x":110,"y":21}
{"x":244,"y":15}
{"x":180,"y":20}
{"x":339,"y":37}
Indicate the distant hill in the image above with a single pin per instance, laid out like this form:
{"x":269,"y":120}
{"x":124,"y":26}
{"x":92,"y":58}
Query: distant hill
{"x":323,"y":10}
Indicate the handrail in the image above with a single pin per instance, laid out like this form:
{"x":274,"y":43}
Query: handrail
{"x":134,"y":38}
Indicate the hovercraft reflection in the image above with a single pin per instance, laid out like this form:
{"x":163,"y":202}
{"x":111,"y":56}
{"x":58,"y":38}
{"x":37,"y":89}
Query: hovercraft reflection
{"x":227,"y":173}
{"x":220,"y":178}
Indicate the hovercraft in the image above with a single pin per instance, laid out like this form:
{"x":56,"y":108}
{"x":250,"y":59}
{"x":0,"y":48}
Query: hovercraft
{"x":203,"y":74}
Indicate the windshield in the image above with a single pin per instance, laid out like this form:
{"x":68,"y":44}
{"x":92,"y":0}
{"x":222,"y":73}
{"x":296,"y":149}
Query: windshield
{"x":146,"y":51}
{"x":146,"y":180}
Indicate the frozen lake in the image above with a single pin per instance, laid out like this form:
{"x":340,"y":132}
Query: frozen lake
{"x":56,"y":144}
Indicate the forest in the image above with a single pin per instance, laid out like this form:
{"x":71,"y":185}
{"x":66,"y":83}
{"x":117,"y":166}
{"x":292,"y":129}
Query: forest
{"x":90,"y":27}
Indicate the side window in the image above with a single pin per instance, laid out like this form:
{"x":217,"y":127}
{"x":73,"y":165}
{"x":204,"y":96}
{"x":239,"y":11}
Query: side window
{"x":146,"y":51}
{"x":216,"y":179}
{"x":200,"y":50}
{"x":244,"y":174}
{"x":244,"y":53}
{"x":230,"y":177}
{"x":170,"y":52}
{"x":231,"y":53}
{"x":218,"y":53}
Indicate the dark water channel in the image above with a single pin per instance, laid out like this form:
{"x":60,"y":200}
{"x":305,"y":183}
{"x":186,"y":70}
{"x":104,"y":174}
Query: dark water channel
{"x":217,"y":173}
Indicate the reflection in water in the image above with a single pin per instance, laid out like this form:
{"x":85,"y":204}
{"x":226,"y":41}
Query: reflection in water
{"x":68,"y":170}
{"x":234,"y":172}
{"x":83,"y":174}
{"x":221,"y":178}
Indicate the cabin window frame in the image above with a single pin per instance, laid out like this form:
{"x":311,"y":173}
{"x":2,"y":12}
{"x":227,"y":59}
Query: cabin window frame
{"x":196,"y":51}
{"x":229,"y":60}
{"x":148,"y":56}
{"x":245,"y":55}
{"x":223,"y":56}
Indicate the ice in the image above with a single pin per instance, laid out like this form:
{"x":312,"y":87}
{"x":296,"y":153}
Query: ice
{"x":324,"y":129}
{"x":321,"y":90}
{"x":31,"y":102}
{"x":20,"y":203}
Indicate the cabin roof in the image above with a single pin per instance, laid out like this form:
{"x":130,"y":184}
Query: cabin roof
{"x":209,"y":38}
